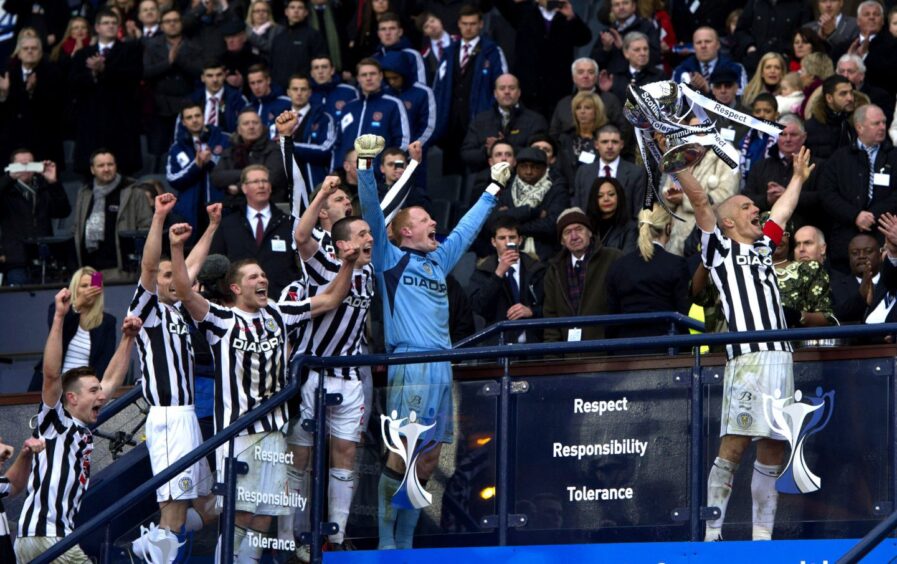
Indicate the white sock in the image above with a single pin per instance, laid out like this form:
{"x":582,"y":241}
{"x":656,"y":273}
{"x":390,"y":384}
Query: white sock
{"x":339,"y":500}
{"x":765,"y":499}
{"x":301,"y":518}
{"x":719,"y":488}
{"x":193,"y":521}
{"x":173,"y":539}
{"x":239,"y":534}
{"x":285,"y":522}
{"x":248,"y":554}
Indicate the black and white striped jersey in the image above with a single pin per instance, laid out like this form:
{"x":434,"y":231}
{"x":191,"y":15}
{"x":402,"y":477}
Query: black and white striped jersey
{"x":251,"y":359}
{"x":339,"y":332}
{"x":166,"y":351}
{"x":747,"y":283}
{"x":59,"y":476}
{"x":7,"y":554}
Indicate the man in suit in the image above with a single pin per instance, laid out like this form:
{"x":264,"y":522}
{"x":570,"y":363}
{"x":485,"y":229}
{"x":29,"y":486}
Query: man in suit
{"x":637,"y":52}
{"x":633,"y":178}
{"x":508,"y":284}
{"x":221,"y":102}
{"x":706,"y":59}
{"x":608,"y":50}
{"x":853,"y":293}
{"x":105,"y":79}
{"x":876,"y":46}
{"x":724,"y":89}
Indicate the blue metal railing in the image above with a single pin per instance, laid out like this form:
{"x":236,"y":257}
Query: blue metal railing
{"x":502,"y":352}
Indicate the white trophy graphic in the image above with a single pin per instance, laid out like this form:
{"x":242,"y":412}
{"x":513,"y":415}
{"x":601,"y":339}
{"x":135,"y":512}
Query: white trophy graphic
{"x":796,"y":421}
{"x":410,"y":494}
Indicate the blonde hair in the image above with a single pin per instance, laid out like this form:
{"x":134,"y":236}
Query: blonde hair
{"x":756,"y":86}
{"x":93,"y":316}
{"x":25,"y":34}
{"x":818,"y":65}
{"x":252,"y":5}
{"x":600,"y":113}
{"x":57,"y":51}
{"x":792,"y":80}
{"x":651,"y":225}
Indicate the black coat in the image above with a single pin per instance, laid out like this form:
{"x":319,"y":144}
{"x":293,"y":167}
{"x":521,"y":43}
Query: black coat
{"x":768,"y":25}
{"x":19,"y":220}
{"x":843,"y":192}
{"x":34,"y":120}
{"x":522,"y":126}
{"x":622,"y":79}
{"x":613,"y":60}
{"x":206,"y":29}
{"x":236,"y":240}
{"x":880,"y":62}
{"x":827,"y":131}
{"x":542,"y":230}
{"x":491,"y":298}
{"x":774,"y":169}
{"x":542,"y":58}
{"x":847,"y":303}
{"x":236,"y":157}
{"x":106,"y":106}
{"x":293,"y":50}
{"x":172,"y":84}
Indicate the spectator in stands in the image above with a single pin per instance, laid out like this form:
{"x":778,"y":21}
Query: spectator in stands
{"x":585,"y":79}
{"x":171,"y":65}
{"x":791,"y":97}
{"x":724,"y":89}
{"x":104,"y":81}
{"x":210,"y":22}
{"x":767,"y":180}
{"x":417,"y":97}
{"x":631,"y":178}
{"x":814,"y":69}
{"x":436,"y":41}
{"x":362,"y":32}
{"x":262,"y":28}
{"x":547,"y":37}
{"x":375,"y":112}
{"x":348,"y":174}
{"x":535,"y":202}
{"x":547,"y":145}
{"x":638,"y":70}
{"x":829,"y":127}
{"x":259,"y":231}
{"x":766,"y":26}
{"x":853,"y":69}
{"x":195,"y":152}
{"x":293,"y":50}
{"x":853,"y":195}
{"x":501,"y":152}
{"x":756,"y":144}
{"x":508,"y":283}
{"x":238,"y":56}
{"x":648,"y":279}
{"x":328,"y":89}
{"x":579,"y":148}
{"x":607,"y":210}
{"x":393,"y":165}
{"x":106,"y":206}
{"x":76,"y":37}
{"x":465,"y":83}
{"x":805,"y":42}
{"x":770,"y":71}
{"x":328,"y":19}
{"x":28,"y":203}
{"x":315,"y":137}
{"x":147,"y":25}
{"x":804,"y":282}
{"x":390,"y":33}
{"x":707,"y":59}
{"x":267,"y":99}
{"x":508,"y":119}
{"x":575,"y":279}
{"x":32,"y":103}
{"x":875,"y":46}
{"x":853,"y":292}
{"x":836,"y":29}
{"x":250,"y":145}
{"x":221,"y":102}
{"x":609,"y":50}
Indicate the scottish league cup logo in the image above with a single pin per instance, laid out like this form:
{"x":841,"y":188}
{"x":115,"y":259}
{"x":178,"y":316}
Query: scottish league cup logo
{"x":796,"y":421}
{"x":410,"y":494}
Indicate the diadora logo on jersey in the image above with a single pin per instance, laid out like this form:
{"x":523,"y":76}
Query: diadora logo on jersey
{"x":265,"y":345}
{"x":433,"y":285}
{"x":357,"y":301}
{"x":176,"y":328}
{"x":753,"y":260}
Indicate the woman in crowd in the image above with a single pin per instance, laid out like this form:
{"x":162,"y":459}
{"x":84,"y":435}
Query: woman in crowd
{"x":648,"y":279}
{"x":261,"y":29}
{"x":578,"y":148}
{"x":77,"y":36}
{"x":609,"y":213}
{"x":767,"y":78}
{"x":815,"y":68}
{"x":805,"y":42}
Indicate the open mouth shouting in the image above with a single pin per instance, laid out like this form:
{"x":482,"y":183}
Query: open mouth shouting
{"x":432,"y":235}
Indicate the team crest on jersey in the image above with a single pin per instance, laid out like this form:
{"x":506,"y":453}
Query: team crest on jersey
{"x":428,"y":269}
{"x":340,"y":104}
{"x":270,"y":325}
{"x":745,"y":420}
{"x":377,"y":116}
{"x":186,"y":484}
{"x":314,"y":126}
{"x":293,"y":296}
{"x":486,"y":63}
{"x":407,"y":104}
{"x":764,"y":251}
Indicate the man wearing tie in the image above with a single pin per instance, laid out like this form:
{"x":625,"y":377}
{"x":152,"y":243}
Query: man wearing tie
{"x":632,"y":177}
{"x":698,"y":68}
{"x":637,"y":52}
{"x":508,"y":284}
{"x":221,"y":102}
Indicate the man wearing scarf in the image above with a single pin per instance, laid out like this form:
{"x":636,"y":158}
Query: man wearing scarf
{"x":107,"y":206}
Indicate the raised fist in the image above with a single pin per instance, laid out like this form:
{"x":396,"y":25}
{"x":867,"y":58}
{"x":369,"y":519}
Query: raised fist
{"x":369,"y":146}
{"x":501,"y":173}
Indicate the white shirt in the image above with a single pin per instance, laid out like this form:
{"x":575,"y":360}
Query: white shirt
{"x":251,"y":216}
{"x":473,"y":46}
{"x":614,"y":164}
{"x":443,"y":42}
{"x":303,"y":111}
{"x":218,"y":96}
{"x":104,"y":46}
{"x":546,"y":14}
{"x":78,"y":352}
{"x":874,"y":278}
{"x":574,"y":260}
{"x":151,"y":30}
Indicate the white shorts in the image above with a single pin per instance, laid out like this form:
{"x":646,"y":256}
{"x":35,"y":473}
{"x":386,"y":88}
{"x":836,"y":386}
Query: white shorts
{"x":263,"y":490}
{"x":751,"y":380}
{"x":29,"y":548}
{"x":171,"y":434}
{"x":345,"y":421}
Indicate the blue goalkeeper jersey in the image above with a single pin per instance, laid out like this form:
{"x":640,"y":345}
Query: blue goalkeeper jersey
{"x":412,"y":283}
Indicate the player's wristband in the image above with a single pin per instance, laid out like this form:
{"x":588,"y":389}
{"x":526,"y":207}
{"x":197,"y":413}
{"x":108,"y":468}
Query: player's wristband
{"x":365,"y":163}
{"x":494,"y":188}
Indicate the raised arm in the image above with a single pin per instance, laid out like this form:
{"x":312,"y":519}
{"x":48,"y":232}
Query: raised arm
{"x":195,"y":303}
{"x":152,"y":249}
{"x":783,"y":208}
{"x":304,"y":241}
{"x":337,"y":290}
{"x":51,"y":390}
{"x":201,"y":250}
{"x":286,"y":124}
{"x":696,"y":194}
{"x":21,"y":468}
{"x":121,"y":360}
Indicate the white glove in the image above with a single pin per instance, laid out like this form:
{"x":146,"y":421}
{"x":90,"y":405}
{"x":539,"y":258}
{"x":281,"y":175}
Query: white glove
{"x":369,"y":146}
{"x":501,"y":173}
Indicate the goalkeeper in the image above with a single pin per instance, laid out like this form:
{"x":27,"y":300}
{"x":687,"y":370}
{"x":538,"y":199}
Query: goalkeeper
{"x":411,"y":278}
